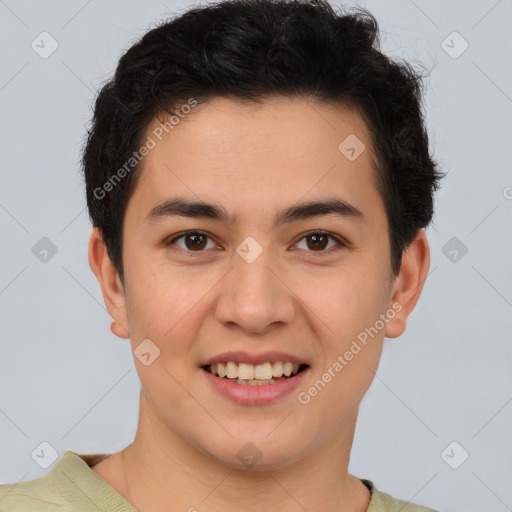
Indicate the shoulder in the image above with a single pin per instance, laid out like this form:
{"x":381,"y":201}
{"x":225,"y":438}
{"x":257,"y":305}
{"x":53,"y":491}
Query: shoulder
{"x":69,"y":485}
{"x":38,"y":495}
{"x":383,"y":502}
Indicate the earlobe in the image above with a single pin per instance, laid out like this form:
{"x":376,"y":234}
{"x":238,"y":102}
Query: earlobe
{"x":408,"y":285}
{"x":111,"y":286}
{"x":119,"y":330}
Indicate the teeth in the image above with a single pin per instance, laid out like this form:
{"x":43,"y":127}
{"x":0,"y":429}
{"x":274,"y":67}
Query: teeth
{"x":255,"y":382}
{"x":277,"y":370}
{"x":255,"y":374}
{"x":231,"y":370}
{"x":263,"y":371}
{"x":245,"y":371}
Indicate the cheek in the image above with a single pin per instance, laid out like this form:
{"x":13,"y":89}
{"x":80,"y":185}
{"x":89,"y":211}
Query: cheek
{"x":345,"y":301}
{"x":348,"y":308}
{"x":350,"y":334}
{"x":167,"y":304}
{"x":155,"y":295}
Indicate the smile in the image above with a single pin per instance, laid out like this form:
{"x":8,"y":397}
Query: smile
{"x":255,"y":375}
{"x":255,"y":384}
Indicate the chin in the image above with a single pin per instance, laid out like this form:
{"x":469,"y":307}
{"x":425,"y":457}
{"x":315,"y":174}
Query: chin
{"x":256,"y":453}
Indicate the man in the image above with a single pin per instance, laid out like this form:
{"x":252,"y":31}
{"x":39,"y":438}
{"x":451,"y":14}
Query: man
{"x":258,"y":177}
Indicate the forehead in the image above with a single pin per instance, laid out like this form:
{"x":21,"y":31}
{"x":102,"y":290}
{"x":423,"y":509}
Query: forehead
{"x":259,"y":155}
{"x":277,"y":124}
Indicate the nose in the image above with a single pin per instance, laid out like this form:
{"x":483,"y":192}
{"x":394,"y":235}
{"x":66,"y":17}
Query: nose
{"x":254,"y":295}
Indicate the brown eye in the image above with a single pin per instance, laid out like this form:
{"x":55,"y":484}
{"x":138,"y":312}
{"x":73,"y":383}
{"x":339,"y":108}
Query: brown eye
{"x":197,"y":241}
{"x":318,"y":241}
{"x":194,"y":241}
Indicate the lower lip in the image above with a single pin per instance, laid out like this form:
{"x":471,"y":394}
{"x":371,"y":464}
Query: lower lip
{"x":255,"y":395}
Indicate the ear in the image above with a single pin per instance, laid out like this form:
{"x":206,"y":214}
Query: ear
{"x":407,"y":286}
{"x":111,"y":286}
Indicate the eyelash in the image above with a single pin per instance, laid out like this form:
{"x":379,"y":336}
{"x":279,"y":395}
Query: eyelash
{"x":338,"y":240}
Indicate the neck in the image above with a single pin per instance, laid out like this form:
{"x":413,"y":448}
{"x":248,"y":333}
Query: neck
{"x":161,"y":469}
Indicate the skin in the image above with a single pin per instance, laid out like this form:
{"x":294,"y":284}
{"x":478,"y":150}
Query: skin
{"x":295,"y":297}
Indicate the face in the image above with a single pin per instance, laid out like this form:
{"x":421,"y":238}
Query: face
{"x":257,"y":285}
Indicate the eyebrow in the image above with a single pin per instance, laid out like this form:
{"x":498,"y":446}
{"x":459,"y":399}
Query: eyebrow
{"x":182,"y":207}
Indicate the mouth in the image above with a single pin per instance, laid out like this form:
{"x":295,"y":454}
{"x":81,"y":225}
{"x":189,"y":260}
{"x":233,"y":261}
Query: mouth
{"x":263,"y":374}
{"x":251,"y":379}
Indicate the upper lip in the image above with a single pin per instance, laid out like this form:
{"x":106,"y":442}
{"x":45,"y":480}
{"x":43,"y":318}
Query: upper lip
{"x":241,"y":356}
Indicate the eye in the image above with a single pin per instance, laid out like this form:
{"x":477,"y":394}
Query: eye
{"x":195,"y":241}
{"x":319,"y":240}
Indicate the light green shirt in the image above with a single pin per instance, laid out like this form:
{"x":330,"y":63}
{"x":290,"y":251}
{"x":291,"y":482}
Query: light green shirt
{"x":72,"y":485}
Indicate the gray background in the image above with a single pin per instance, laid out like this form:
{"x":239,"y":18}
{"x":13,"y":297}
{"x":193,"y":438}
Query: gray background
{"x":66,"y":380}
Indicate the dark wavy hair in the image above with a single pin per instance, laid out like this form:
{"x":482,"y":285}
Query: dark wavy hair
{"x":249,"y":50}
